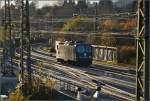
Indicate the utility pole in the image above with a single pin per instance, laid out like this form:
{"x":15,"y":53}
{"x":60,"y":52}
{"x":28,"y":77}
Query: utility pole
{"x":25,"y":47}
{"x":96,"y":18}
{"x":28,"y":43}
{"x":7,"y":32}
{"x":0,"y":4}
{"x":142,"y":59}
{"x":10,"y":37}
{"x":147,"y":40}
{"x":4,"y":42}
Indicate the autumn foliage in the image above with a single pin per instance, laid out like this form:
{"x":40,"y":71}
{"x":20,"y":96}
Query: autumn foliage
{"x":77,"y":23}
{"x":118,"y":25}
{"x":107,"y":39}
{"x":127,"y":54}
{"x":17,"y":96}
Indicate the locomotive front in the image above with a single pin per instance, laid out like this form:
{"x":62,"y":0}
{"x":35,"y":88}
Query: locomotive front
{"x":84,"y":54}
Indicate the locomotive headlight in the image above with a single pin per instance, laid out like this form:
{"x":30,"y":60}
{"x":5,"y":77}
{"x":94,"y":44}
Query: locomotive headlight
{"x":85,"y":54}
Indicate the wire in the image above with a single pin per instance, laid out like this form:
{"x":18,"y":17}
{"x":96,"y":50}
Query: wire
{"x":89,"y":34}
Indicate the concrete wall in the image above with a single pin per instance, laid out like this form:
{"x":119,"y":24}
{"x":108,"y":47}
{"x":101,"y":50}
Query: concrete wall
{"x":103,"y":53}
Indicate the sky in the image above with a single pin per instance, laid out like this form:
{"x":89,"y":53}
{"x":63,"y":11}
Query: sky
{"x":46,"y":3}
{"x":53,"y":2}
{"x":56,"y":2}
{"x":42,"y":3}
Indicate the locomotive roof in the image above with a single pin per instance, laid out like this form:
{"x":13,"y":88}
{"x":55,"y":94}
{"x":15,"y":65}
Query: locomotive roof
{"x":71,"y":43}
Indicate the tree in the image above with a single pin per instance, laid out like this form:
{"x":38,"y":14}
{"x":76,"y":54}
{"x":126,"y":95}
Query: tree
{"x":1,"y":34}
{"x":71,"y":24}
{"x":116,"y":25}
{"x":106,"y":7}
{"x":127,"y":54}
{"x":17,"y":96}
{"x":130,"y":24}
{"x":108,"y":24}
{"x":107,"y":39}
{"x":78,"y":23}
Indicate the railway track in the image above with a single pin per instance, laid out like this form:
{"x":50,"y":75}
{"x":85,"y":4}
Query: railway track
{"x":116,"y":71}
{"x":92,"y":70}
{"x":46,"y":58}
{"x":77,"y":74}
{"x":88,"y":71}
{"x":105,"y":89}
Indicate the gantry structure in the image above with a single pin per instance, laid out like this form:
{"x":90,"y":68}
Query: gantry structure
{"x":142,"y":59}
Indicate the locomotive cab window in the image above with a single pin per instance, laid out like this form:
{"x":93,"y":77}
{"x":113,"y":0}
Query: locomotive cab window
{"x":84,"y":48}
{"x":80,"y":49}
{"x":88,"y":49}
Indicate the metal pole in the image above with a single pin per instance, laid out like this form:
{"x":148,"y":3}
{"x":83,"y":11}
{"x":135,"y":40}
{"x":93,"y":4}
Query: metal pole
{"x":10,"y":38}
{"x":4,"y":42}
{"x":28,"y":43}
{"x":25,"y":37}
{"x":146,"y":35}
{"x":21,"y":42}
{"x":7,"y":33}
{"x":142,"y":59}
{"x":140,"y":54}
{"x":96,"y":18}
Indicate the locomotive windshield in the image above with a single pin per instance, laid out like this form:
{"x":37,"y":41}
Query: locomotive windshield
{"x":88,"y":49}
{"x":84,"y":48}
{"x":80,"y":49}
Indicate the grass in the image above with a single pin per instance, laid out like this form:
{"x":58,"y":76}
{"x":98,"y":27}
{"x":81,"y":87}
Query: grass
{"x":115,"y":64}
{"x":46,"y":49}
{"x":17,"y":95}
{"x":39,"y":91}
